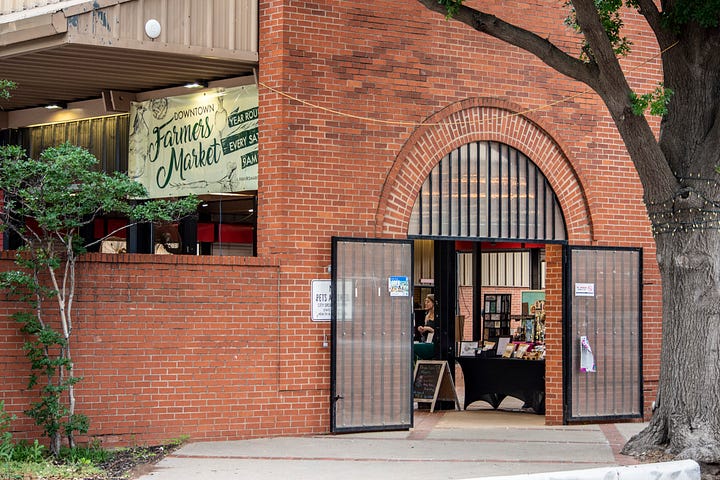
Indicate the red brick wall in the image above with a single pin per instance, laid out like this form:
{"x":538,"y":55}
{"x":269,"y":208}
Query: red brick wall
{"x":172,"y":346}
{"x":225,"y":348}
{"x":387,"y":89}
{"x":553,"y":336}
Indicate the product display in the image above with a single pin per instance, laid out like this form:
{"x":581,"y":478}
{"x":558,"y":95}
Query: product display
{"x":496,"y":319}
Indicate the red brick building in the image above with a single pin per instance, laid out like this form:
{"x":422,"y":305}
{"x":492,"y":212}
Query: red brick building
{"x":378,"y":121}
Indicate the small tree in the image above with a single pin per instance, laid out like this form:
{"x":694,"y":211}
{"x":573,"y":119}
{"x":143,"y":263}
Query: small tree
{"x":46,"y":203}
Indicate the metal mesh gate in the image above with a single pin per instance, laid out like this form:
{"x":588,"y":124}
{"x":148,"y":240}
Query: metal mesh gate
{"x":487,"y":190}
{"x":603,"y":335}
{"x":372,"y":335}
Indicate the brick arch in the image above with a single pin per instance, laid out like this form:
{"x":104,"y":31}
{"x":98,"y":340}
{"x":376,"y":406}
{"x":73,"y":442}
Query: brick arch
{"x":477,"y":120}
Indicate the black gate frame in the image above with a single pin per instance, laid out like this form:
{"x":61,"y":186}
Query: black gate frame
{"x":333,"y":335}
{"x":567,"y":337}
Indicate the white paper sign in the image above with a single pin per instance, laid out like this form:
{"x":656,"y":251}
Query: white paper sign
{"x":587,"y":360}
{"x":321,"y":301}
{"x":584,"y":289}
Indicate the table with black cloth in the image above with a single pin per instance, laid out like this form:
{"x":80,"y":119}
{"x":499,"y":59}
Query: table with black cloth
{"x":493,"y":378}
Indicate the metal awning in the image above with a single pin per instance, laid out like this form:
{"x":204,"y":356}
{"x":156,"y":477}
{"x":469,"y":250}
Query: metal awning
{"x":69,"y":51}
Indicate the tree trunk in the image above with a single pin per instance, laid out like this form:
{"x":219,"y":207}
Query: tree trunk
{"x":55,"y":444}
{"x":686,"y":422}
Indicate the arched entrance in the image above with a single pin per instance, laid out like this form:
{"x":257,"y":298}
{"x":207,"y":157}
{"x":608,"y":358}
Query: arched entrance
{"x":487,"y":190}
{"x":481,"y":120}
{"x":478,"y":174}
{"x":475,"y":166}
{"x":487,"y":212}
{"x":454,"y":132}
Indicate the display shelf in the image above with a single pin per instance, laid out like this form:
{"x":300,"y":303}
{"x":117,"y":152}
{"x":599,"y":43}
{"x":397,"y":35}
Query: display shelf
{"x":496,"y":317}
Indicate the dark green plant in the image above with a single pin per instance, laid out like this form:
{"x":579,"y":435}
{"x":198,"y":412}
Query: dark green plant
{"x":7,"y":447}
{"x":705,"y":14}
{"x":452,"y":7}
{"x":26,"y":452}
{"x":91,"y":454}
{"x":609,"y":14}
{"x":655,"y":102}
{"x":46,"y":203}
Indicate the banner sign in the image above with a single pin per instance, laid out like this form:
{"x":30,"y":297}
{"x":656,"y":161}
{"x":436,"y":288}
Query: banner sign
{"x":199,"y":143}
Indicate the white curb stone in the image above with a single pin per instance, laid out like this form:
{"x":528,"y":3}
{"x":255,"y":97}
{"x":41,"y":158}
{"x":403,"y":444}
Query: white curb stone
{"x":678,"y":470}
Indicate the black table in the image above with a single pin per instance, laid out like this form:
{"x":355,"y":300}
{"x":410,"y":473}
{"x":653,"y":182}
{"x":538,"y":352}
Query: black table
{"x":491,"y":379}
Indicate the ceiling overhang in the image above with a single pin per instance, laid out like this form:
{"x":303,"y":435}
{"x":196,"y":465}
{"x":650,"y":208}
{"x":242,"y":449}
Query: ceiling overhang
{"x":71,"y":52}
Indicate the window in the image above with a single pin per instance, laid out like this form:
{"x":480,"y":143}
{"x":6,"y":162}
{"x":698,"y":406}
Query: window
{"x":221,"y":227}
{"x":225,"y":223}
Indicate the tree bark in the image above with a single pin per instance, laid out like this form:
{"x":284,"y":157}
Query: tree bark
{"x":686,"y":422}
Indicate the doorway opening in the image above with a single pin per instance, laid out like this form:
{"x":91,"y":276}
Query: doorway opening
{"x":480,"y":223}
{"x":491,"y":310}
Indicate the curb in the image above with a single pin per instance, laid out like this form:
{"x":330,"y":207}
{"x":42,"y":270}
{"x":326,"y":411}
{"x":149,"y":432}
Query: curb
{"x":677,"y":470}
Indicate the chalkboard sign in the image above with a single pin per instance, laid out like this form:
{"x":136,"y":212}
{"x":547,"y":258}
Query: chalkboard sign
{"x":432,"y":382}
{"x":427,"y":376}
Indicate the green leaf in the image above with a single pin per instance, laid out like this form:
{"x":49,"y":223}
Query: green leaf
{"x":5,"y":87}
{"x":452,"y":7}
{"x":655,"y":102}
{"x":705,"y":13}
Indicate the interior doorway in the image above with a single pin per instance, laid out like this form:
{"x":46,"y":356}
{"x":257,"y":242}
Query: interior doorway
{"x":490,"y":304}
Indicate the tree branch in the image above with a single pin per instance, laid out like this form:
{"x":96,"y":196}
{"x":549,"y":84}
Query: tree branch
{"x":532,"y":43}
{"x":649,"y":10}
{"x":603,"y":74}
{"x":612,"y":85}
{"x":60,"y":300}
{"x":587,"y":17}
{"x":657,"y":177}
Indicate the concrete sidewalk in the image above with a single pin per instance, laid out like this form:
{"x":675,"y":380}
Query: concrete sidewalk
{"x":442,"y":445}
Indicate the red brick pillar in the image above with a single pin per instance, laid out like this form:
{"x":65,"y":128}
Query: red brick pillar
{"x":553,"y":335}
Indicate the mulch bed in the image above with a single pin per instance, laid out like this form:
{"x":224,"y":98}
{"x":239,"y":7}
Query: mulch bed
{"x":129,"y":463}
